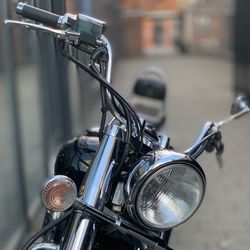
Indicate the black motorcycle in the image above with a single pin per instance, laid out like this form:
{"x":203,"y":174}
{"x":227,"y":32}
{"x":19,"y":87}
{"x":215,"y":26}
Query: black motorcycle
{"x":121,"y":186}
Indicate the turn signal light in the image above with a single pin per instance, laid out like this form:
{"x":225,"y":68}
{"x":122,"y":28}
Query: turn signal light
{"x":59,"y":193}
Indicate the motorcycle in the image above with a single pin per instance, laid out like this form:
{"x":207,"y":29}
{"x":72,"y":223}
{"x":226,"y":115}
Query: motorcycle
{"x":121,"y":186}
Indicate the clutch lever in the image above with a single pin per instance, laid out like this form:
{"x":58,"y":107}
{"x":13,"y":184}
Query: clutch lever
{"x":219,"y":147}
{"x":219,"y":159}
{"x":67,"y":35}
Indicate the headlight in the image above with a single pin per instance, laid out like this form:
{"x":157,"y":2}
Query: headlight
{"x":165,"y":190}
{"x":59,"y":193}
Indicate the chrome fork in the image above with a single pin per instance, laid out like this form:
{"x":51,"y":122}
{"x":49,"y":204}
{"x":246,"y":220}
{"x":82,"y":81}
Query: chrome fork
{"x":83,"y":230}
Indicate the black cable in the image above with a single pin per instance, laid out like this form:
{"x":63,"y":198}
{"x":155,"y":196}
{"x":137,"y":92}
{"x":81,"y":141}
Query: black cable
{"x":86,"y":163}
{"x":126,"y":113}
{"x":104,"y":113}
{"x":104,"y":96}
{"x":45,"y":229}
{"x":129,"y":127}
{"x":117,"y":108}
{"x":104,"y":110}
{"x":121,"y":100}
{"x":124,"y":155}
{"x":97,"y":54}
{"x":142,"y":133}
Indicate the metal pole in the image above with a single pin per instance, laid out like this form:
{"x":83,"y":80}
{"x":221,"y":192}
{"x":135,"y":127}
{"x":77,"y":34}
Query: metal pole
{"x":86,"y":7}
{"x":11,"y":83}
{"x":61,"y":70}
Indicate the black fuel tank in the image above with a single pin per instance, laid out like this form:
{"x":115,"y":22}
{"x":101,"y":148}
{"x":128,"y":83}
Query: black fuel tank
{"x":75,"y":156}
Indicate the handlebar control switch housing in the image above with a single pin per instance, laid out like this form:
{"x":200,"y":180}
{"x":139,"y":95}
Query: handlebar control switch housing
{"x":90,"y":29}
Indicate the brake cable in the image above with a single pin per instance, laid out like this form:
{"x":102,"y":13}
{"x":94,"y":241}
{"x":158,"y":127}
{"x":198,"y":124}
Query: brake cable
{"x":45,"y":229}
{"x":126,"y":107}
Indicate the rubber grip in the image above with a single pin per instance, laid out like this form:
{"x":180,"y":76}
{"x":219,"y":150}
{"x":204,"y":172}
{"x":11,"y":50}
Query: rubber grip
{"x":38,"y":15}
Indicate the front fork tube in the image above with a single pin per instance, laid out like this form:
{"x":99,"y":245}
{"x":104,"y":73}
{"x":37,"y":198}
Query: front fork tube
{"x":95,"y":191}
{"x":81,"y":234}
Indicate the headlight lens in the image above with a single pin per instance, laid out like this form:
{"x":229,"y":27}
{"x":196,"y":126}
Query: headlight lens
{"x":170,"y":196}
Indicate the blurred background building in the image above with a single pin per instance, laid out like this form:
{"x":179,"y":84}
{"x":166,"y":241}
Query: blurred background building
{"x":44,"y":100}
{"x":150,"y":27}
{"x":207,"y":27}
{"x":161,"y":27}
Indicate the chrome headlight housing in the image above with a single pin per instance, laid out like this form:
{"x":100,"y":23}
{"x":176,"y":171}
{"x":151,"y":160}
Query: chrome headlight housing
{"x":165,"y":189}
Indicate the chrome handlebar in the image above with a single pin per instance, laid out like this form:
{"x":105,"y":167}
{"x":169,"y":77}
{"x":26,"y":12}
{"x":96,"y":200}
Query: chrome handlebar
{"x":210,"y":129}
{"x":199,"y":144}
{"x":74,"y":29}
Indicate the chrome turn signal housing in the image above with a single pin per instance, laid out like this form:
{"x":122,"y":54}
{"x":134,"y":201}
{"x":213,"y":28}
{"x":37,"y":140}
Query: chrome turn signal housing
{"x":59,"y":193}
{"x":165,"y":189}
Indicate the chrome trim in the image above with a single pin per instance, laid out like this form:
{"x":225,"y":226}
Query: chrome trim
{"x":52,"y":216}
{"x":150,"y":142}
{"x":56,"y":215}
{"x":164,"y":139}
{"x":19,"y":8}
{"x":241,"y":113}
{"x":105,"y":42}
{"x":95,"y":189}
{"x":45,"y":246}
{"x":63,"y":21}
{"x":239,"y":108}
{"x":200,"y":143}
{"x":109,"y":68}
{"x":241,"y":103}
{"x":51,"y":184}
{"x":36,"y":26}
{"x":97,"y":178}
{"x":86,"y":228}
{"x":60,"y":34}
{"x":82,"y":233}
{"x":152,"y":239}
{"x":149,"y":164}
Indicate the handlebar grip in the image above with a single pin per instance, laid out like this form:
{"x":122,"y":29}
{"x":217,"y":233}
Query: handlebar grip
{"x":36,"y":14}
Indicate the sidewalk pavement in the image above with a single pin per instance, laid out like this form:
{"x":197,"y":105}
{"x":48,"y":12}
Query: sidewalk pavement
{"x":199,"y":90}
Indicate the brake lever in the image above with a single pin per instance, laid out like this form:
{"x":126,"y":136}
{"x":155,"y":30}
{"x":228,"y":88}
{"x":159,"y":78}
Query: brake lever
{"x":217,"y":144}
{"x":38,"y":27}
{"x":60,"y":34}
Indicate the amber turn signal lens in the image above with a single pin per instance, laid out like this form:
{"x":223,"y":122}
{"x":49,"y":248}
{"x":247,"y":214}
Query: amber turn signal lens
{"x":59,"y":193}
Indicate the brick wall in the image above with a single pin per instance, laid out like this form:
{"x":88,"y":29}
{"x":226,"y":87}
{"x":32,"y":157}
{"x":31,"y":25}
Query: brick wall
{"x":131,"y":4}
{"x":152,"y":5}
{"x":169,"y":26}
{"x":132,"y":37}
{"x":157,"y":26}
{"x":148,"y":27}
{"x":148,"y":32}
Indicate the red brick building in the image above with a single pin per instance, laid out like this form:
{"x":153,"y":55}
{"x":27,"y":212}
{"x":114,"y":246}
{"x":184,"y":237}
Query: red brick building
{"x":150,"y":26}
{"x":207,"y":27}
